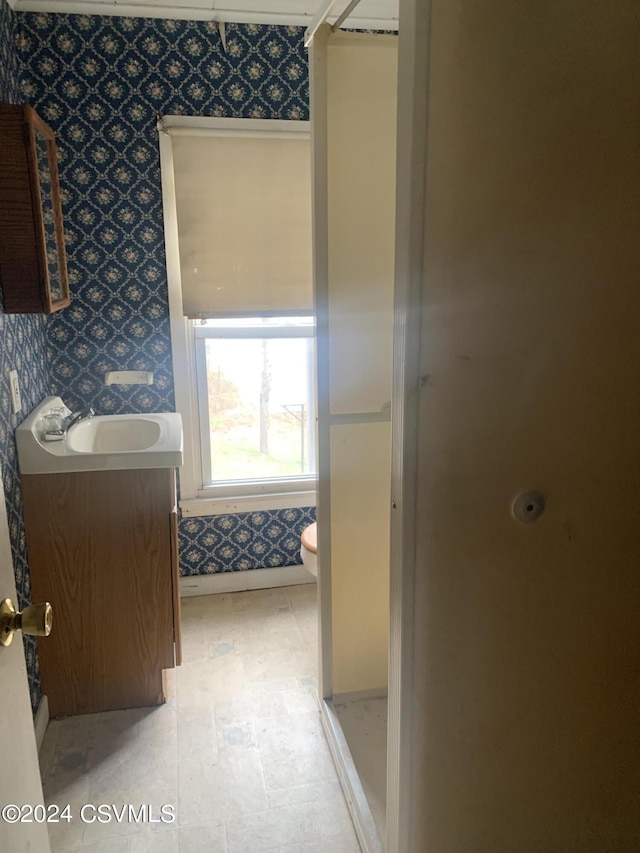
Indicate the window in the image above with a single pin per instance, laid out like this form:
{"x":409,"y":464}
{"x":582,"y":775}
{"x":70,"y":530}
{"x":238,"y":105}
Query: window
{"x":255,"y":404}
{"x":237,"y":217}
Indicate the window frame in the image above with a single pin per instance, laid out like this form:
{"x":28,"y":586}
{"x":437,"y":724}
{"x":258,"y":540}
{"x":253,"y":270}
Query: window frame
{"x":195,"y":499}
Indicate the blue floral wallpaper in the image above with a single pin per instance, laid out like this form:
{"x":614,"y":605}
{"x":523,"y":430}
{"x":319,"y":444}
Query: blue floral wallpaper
{"x":100,"y":82}
{"x":244,"y":541}
{"x":22,"y":347}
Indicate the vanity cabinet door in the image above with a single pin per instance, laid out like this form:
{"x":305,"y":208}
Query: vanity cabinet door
{"x":33,"y":267}
{"x":99,"y":551}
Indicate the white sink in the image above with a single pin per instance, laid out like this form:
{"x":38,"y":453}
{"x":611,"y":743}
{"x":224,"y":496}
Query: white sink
{"x":113,"y":435}
{"x":103,"y":442}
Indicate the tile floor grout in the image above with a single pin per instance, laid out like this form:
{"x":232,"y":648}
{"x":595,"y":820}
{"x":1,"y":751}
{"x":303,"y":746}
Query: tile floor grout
{"x":238,"y":748}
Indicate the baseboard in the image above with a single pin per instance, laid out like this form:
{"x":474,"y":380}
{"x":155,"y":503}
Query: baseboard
{"x":41,"y":720}
{"x":240,"y":581}
{"x":363,"y":821}
{"x":359,"y":695}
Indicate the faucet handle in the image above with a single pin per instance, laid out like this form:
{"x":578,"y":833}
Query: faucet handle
{"x":53,"y":425}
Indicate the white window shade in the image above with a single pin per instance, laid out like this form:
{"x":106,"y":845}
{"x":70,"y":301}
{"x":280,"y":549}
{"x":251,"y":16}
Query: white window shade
{"x":244,"y":224}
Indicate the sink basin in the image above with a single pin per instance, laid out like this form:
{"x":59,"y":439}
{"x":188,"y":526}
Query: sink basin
{"x":113,"y":435}
{"x":103,"y":442}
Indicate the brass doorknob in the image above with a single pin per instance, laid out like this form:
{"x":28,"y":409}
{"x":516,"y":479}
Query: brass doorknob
{"x":36,"y":620}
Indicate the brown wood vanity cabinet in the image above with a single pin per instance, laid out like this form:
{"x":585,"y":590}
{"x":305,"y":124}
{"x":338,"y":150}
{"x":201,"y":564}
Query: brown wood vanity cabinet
{"x":33,"y":265}
{"x":103,"y":550}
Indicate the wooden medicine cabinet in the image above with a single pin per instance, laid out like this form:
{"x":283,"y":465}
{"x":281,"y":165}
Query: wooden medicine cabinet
{"x":33,"y":266}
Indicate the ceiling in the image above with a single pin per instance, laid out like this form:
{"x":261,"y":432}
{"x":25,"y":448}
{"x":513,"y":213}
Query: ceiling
{"x":375,"y":14}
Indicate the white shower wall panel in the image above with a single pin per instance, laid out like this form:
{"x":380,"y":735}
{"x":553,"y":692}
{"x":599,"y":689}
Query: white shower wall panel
{"x":360,"y":495}
{"x":361,"y":140}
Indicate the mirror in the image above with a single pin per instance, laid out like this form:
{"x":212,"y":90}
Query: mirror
{"x":55,"y":280}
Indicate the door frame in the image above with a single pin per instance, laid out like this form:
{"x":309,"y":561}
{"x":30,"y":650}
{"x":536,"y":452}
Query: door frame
{"x":404,"y":717}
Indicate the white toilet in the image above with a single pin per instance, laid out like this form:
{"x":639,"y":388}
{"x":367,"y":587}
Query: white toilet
{"x":309,"y":548}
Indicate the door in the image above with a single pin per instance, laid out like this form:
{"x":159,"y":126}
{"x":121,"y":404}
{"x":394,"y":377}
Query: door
{"x":520,"y":725}
{"x":20,"y":778}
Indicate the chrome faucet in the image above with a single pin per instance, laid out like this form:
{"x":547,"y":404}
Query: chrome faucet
{"x":56,"y":425}
{"x":74,"y":418}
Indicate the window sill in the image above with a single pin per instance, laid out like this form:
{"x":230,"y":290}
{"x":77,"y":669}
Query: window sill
{"x":247,"y":503}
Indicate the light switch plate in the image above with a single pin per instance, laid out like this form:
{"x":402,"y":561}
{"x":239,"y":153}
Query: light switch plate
{"x":14,"y":385}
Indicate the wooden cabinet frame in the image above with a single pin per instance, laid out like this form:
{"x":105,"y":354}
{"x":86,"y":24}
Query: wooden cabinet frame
{"x":33,"y":265}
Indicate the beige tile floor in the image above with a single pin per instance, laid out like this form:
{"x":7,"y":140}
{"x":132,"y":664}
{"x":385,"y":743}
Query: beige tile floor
{"x":238,"y":749}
